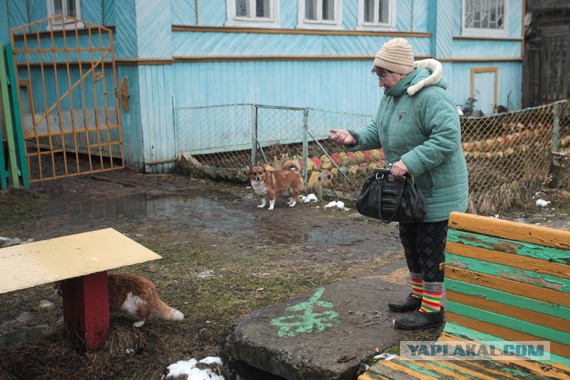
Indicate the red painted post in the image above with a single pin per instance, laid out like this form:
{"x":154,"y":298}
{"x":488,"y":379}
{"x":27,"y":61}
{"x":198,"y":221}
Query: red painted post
{"x":86,"y":308}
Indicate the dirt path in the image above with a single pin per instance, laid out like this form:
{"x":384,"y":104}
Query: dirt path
{"x":222,"y":257}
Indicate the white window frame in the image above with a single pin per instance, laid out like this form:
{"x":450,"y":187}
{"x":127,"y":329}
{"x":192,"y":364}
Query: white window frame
{"x":273,"y":21}
{"x":320,"y":24}
{"x":486,"y":32}
{"x":68,"y":25}
{"x":377,"y":26}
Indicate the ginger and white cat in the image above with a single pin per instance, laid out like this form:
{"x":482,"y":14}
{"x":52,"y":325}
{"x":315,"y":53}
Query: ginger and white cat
{"x":137,"y":296}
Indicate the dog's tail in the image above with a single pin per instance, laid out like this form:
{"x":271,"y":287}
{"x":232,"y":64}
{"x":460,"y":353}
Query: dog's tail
{"x":161,"y":310}
{"x":292,"y":165}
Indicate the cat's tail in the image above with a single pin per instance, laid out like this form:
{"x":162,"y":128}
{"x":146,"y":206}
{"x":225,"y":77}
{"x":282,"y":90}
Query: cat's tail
{"x":163,"y":311}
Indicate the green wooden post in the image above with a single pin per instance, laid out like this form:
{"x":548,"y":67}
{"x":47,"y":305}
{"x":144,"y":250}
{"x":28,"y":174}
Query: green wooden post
{"x":15,"y":108}
{"x":3,"y":173}
{"x":8,"y":121}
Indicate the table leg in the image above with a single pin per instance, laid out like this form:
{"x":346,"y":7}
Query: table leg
{"x":86,"y":308}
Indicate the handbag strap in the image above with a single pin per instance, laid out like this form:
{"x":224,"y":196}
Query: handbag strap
{"x":384,"y":178}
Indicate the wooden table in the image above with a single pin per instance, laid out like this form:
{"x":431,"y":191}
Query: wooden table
{"x":80,"y":262}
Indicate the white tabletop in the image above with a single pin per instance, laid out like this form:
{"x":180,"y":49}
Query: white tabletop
{"x":26,"y":265}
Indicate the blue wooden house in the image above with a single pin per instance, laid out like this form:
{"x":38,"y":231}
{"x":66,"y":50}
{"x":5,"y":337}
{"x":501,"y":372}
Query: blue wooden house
{"x":161,"y":64}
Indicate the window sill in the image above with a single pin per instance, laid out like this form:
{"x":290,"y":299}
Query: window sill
{"x":70,"y":26}
{"x":319,"y":26}
{"x":252,"y":24}
{"x":498,"y":34}
{"x":376,"y":28}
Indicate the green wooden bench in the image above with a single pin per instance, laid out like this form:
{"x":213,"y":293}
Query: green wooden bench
{"x":505,"y":281}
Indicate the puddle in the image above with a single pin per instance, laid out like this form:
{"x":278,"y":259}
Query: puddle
{"x":226,"y":215}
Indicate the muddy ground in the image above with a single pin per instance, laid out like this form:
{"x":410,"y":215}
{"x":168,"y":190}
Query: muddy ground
{"x":222,"y":257}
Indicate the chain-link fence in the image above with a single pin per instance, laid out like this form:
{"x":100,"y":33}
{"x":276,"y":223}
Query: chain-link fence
{"x":508,"y":155}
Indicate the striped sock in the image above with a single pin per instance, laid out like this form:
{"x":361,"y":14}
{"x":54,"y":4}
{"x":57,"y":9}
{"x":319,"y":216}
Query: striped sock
{"x":431,"y":302}
{"x":417,"y":288}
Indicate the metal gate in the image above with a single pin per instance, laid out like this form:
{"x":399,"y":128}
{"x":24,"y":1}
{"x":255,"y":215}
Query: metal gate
{"x":69,"y":100}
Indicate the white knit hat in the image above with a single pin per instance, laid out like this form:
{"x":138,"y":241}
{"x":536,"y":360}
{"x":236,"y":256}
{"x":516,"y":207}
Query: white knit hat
{"x":396,"y":55}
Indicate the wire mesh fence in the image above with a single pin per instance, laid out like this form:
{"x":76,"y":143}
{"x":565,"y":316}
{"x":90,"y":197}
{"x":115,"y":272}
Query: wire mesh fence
{"x":508,"y":155}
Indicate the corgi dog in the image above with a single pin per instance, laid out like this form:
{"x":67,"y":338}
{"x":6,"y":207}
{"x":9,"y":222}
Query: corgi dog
{"x":137,"y":296}
{"x":268,"y":182}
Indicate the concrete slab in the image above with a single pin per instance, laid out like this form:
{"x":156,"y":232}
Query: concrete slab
{"x":326,"y":333}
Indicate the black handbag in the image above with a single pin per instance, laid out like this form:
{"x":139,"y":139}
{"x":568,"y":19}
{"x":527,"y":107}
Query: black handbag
{"x":391,"y":199}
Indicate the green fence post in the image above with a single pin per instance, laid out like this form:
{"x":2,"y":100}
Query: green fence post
{"x":3,"y":173}
{"x":8,"y":120}
{"x":15,"y":108}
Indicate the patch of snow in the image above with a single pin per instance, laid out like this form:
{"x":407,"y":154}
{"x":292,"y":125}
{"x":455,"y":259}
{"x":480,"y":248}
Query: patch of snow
{"x":309,"y":198}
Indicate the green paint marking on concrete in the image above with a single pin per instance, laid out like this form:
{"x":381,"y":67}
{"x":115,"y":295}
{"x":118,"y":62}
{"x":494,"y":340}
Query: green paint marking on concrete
{"x":310,"y":320}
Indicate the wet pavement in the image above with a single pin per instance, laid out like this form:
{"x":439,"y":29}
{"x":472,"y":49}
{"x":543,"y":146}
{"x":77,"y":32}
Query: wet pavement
{"x":218,"y":212}
{"x":327,"y":333}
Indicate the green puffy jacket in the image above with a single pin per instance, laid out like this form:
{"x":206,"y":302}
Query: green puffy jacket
{"x":424,"y":132}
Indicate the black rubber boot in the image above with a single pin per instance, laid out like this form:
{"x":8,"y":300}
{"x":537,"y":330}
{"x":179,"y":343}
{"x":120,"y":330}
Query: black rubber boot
{"x":420,"y":321}
{"x":409,"y":304}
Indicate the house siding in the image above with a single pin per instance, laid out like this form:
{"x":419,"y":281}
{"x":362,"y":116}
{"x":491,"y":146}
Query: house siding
{"x":177,"y":54}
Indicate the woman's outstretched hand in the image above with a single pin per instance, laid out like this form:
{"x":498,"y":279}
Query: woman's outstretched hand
{"x":342,"y":136}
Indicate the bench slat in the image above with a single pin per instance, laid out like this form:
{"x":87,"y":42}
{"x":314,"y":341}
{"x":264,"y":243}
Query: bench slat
{"x":548,"y":237}
{"x":513,"y":247}
{"x":542,"y":287}
{"x":517,"y":261}
{"x":505,"y":333}
{"x":461,"y":369}
{"x":487,"y":369}
{"x":457,"y":331}
{"x":514,"y":287}
{"x":515,"y":324}
{"x":413,"y":368}
{"x":509,"y":299}
{"x":527,"y":315}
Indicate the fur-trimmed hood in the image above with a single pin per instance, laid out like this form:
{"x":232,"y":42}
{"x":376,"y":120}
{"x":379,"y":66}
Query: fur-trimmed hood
{"x":434,"y":66}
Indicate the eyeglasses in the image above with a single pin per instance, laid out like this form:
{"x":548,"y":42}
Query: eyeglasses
{"x":381,"y":73}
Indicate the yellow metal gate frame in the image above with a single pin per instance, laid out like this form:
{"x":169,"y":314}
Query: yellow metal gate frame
{"x":69,"y":100}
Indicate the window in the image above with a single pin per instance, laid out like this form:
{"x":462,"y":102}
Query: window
{"x":320,"y":14}
{"x":376,"y":14}
{"x":67,"y":8}
{"x":253,"y":13}
{"x":484,"y":18}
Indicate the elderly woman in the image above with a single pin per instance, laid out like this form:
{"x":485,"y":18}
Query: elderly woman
{"x":417,"y":126}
